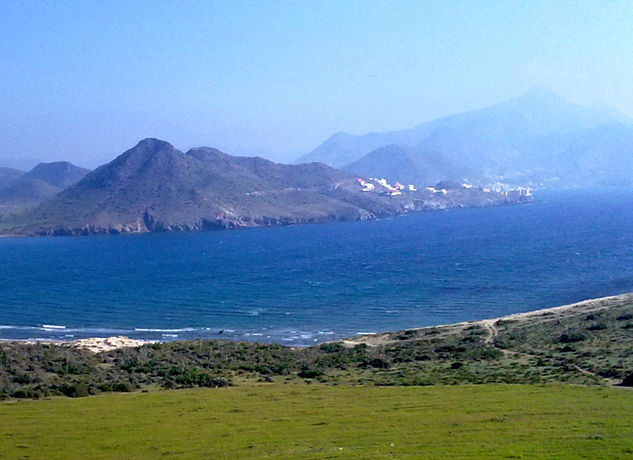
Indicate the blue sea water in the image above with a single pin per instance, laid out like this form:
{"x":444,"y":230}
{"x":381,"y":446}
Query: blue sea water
{"x":301,"y":285}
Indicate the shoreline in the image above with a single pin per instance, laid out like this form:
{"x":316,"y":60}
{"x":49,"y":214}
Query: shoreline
{"x":102,"y":344}
{"x":584,"y":306}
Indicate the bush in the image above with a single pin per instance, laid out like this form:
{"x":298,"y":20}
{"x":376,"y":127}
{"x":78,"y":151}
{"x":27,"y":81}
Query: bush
{"x":597,"y":327}
{"x":627,"y":381}
{"x":22,"y":379}
{"x":334,"y":347}
{"x":119,"y":387}
{"x":76,"y":390}
{"x":378,"y":363}
{"x":572,"y":337}
{"x":309,"y":372}
{"x":445,"y":349}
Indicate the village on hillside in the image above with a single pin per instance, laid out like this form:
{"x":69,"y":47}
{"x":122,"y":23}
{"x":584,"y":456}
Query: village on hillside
{"x":383,"y":187}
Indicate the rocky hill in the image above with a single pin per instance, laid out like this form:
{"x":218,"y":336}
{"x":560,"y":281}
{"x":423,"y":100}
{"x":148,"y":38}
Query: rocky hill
{"x":154,"y":187}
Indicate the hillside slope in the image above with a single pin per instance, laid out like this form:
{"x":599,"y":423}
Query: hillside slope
{"x":408,"y":165}
{"x":8,"y":175}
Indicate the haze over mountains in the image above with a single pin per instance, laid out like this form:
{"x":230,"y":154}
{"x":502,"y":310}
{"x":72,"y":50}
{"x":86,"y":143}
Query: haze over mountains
{"x":41,"y":183}
{"x":537,"y":139}
{"x":8,"y":175}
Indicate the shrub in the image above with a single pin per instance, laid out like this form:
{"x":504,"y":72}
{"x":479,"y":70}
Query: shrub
{"x":120,"y":387}
{"x":378,"y":363}
{"x":627,"y":381}
{"x":22,"y":379}
{"x":334,"y":347}
{"x":572,"y":337}
{"x":309,"y":372}
{"x":445,"y":349}
{"x":597,"y":327}
{"x":76,"y":390}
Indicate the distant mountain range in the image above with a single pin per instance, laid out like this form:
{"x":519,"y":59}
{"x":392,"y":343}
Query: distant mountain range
{"x":538,"y":139}
{"x":18,"y":189}
{"x":8,"y":175}
{"x":154,"y":187}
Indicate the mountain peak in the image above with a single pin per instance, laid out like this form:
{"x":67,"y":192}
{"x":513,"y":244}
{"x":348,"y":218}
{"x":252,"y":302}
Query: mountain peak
{"x":538,"y":97}
{"x":57,"y":173}
{"x":151,"y":142}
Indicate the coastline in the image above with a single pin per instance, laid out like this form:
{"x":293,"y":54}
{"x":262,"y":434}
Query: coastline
{"x":583,"y":306}
{"x":402,"y":208}
{"x":103,"y":344}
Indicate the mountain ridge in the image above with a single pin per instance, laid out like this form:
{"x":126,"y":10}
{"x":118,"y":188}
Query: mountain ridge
{"x":155,"y":187}
{"x":507,"y":142}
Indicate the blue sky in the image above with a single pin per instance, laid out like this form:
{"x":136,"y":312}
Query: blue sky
{"x":85,"y":80}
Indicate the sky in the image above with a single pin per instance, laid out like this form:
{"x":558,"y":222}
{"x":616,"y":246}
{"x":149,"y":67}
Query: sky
{"x":85,"y":80}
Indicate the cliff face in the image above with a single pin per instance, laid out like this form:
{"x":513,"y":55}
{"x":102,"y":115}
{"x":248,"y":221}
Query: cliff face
{"x":154,"y":187}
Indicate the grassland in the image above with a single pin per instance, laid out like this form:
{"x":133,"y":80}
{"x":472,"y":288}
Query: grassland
{"x":318,"y":421}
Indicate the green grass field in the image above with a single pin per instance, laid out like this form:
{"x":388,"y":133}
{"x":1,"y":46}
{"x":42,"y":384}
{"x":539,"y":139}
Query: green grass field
{"x":319,"y":421}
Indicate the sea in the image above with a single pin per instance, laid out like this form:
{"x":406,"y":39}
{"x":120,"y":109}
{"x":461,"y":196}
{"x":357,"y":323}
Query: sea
{"x":302,"y":285}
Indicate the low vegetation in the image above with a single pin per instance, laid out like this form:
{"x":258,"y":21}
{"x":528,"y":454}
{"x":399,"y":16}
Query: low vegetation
{"x":588,"y":344}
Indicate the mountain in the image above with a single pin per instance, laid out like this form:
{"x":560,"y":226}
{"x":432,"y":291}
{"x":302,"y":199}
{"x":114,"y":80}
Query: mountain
{"x":8,"y":175}
{"x":154,"y":187}
{"x":408,"y":166}
{"x":529,"y":139}
{"x":41,"y":183}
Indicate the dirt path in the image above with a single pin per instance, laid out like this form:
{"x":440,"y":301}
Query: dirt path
{"x":491,"y":328}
